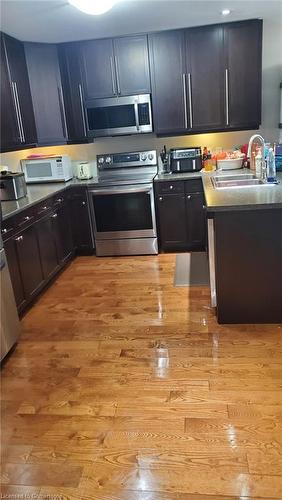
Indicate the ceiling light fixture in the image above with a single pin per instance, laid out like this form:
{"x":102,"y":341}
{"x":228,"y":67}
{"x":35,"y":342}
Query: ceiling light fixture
{"x":93,"y":7}
{"x":225,"y":12}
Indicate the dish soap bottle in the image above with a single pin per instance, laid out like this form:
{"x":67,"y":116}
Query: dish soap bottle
{"x":271,"y":169}
{"x":258,"y":163}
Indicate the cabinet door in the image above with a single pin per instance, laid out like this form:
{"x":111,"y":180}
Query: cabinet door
{"x":172,"y":221}
{"x":29,"y":261}
{"x":15,"y":55}
{"x":205,"y":78}
{"x":73,"y":91}
{"x":62,"y":233}
{"x":81,"y":228}
{"x":46,"y":91}
{"x":196,"y":221}
{"x":9,"y":127}
{"x":47,"y":246}
{"x":243,"y":51}
{"x":132,"y":65}
{"x":168,"y":81}
{"x":14,"y":268}
{"x":97,"y":59}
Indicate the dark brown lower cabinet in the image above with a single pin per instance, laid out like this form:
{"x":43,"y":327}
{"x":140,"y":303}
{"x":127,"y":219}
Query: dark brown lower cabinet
{"x":62,"y":233}
{"x":80,"y":222}
{"x":196,"y":220}
{"x":248,"y":266}
{"x":35,"y":253}
{"x":172,"y":222}
{"x":47,"y":246}
{"x":29,"y":261}
{"x":181,"y":215}
{"x":15,"y":273}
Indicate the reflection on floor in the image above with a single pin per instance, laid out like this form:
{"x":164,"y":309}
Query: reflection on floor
{"x":124,"y":387}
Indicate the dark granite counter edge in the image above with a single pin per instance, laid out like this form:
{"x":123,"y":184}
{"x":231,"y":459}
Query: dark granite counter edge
{"x":33,"y":202}
{"x":206,"y":179}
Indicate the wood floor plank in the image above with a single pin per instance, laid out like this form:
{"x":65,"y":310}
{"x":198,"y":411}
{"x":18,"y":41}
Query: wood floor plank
{"x":37,"y":475}
{"x":123,"y":387}
{"x":173,"y":480}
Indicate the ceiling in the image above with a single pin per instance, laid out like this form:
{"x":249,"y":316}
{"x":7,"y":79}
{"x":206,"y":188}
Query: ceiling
{"x":57,"y":21}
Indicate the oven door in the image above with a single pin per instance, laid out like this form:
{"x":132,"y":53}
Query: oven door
{"x":123,"y":212}
{"x":119,"y":116}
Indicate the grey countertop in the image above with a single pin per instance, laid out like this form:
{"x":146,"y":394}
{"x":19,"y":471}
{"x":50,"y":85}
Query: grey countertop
{"x":182,"y":176}
{"x":244,"y":198}
{"x":40,"y":192}
{"x":217,"y":200}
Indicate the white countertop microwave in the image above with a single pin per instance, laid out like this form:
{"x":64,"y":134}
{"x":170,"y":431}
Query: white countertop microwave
{"x":47,"y":169}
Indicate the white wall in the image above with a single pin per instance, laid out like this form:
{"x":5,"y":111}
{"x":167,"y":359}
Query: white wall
{"x":271,"y":78}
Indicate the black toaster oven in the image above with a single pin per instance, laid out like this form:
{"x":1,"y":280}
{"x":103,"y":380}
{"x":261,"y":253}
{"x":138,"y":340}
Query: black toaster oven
{"x":185,"y":159}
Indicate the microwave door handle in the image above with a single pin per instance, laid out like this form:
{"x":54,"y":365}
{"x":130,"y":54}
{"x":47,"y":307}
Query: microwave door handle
{"x":136,"y":115}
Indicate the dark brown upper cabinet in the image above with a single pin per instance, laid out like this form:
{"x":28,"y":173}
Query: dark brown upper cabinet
{"x":73,"y":92}
{"x":46,"y":91}
{"x":17,"y":119}
{"x":167,"y":62}
{"x":212,"y":82}
{"x":243,"y":53}
{"x":204,"y":78}
{"x":97,"y":62}
{"x":112,"y":67}
{"x":132,"y":65}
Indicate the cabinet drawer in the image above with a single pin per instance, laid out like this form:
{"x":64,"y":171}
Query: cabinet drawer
{"x":8,"y":228}
{"x":170,"y":187}
{"x":44,"y":207}
{"x":194,"y":186}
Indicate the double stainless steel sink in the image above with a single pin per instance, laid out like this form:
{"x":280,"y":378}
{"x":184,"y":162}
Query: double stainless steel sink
{"x":240,"y":180}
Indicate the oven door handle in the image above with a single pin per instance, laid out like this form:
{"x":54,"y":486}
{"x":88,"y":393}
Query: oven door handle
{"x":137,"y":189}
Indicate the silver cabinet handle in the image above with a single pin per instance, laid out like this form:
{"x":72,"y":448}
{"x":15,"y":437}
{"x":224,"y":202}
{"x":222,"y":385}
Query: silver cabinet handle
{"x":62,"y":105}
{"x":227,"y":95}
{"x":189,"y":197}
{"x":190,"y":100}
{"x":118,"y":84}
{"x":113,"y":76}
{"x":83,"y":203}
{"x":136,"y":115}
{"x":20,"y":113}
{"x":19,"y":238}
{"x":59,"y":200}
{"x":185,"y":100}
{"x":160,"y":198}
{"x":17,"y":111}
{"x":82,"y":109}
{"x":170,"y":187}
{"x":54,"y":216}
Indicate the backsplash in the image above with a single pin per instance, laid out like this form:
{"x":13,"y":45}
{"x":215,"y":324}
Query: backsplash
{"x":88,"y":152}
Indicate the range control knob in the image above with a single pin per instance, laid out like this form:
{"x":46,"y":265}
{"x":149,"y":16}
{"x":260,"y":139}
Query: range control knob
{"x":108,"y":159}
{"x":101,"y":160}
{"x":150,"y":156}
{"x":143,"y":157}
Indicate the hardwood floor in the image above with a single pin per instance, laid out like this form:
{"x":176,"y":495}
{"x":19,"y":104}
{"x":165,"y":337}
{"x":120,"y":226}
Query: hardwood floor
{"x":123,"y":387}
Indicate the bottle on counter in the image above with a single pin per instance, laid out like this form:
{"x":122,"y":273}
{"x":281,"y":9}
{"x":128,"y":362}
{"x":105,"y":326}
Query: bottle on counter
{"x":270,"y":165}
{"x":205,"y":157}
{"x":258,"y":163}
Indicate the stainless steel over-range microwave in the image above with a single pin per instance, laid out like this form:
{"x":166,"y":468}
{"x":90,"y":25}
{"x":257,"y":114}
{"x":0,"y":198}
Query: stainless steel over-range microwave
{"x":119,"y":116}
